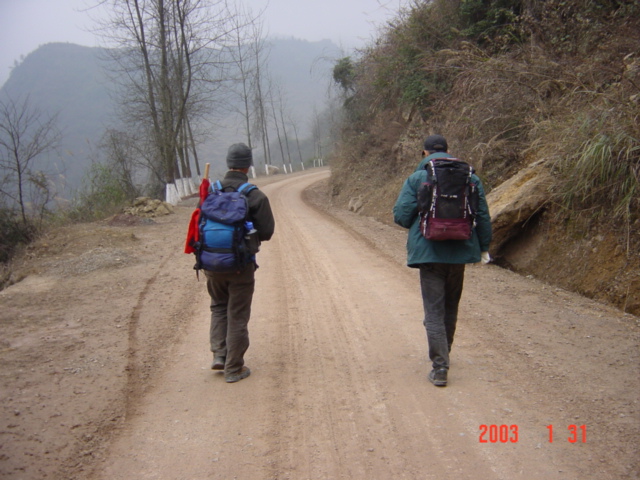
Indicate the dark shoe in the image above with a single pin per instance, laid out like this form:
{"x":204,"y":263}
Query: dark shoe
{"x":438,"y":377}
{"x":218,"y":363}
{"x":236,"y":377}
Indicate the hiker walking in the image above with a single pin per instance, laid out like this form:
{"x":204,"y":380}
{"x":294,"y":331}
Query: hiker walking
{"x":232,"y":292}
{"x":441,"y":260}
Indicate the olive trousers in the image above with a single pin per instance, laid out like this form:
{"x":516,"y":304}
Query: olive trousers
{"x":231,"y":296}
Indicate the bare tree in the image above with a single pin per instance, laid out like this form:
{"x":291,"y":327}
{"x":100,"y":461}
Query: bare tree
{"x":277,"y":126}
{"x":282,"y":103}
{"x":246,"y":53}
{"x":121,"y":150}
{"x":192,"y":144}
{"x":261,"y":91}
{"x":246,"y":35}
{"x":317,"y":133}
{"x":294,"y":125}
{"x":26,"y":134}
{"x":168,"y":66}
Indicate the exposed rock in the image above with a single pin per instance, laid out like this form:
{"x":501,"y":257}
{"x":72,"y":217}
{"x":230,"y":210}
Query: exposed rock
{"x":272,"y":170}
{"x":515,"y":201}
{"x":149,"y":208}
{"x":355,"y":204}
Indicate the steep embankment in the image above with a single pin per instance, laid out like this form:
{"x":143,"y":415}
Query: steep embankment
{"x":550,"y":122}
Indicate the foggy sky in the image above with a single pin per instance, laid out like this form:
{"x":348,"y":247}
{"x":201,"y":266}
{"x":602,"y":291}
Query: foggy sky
{"x":27,"y":24}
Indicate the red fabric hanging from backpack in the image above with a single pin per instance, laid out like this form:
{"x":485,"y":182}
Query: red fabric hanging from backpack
{"x":192,"y":232}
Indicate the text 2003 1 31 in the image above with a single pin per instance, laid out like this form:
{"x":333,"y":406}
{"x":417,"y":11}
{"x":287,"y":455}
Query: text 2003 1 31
{"x":510,"y":433}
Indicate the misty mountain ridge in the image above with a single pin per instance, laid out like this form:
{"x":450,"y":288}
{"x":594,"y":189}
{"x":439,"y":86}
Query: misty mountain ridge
{"x":70,"y":80}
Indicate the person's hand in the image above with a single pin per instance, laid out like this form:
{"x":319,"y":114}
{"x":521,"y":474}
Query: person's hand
{"x":485,"y":257}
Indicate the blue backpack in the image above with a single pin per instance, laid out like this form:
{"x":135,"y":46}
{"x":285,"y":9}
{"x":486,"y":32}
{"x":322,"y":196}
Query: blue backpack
{"x":224,"y":228}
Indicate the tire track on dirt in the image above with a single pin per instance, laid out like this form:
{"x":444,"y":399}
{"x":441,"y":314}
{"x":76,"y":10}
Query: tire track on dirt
{"x":149,"y":339}
{"x":135,"y":367}
{"x":156,"y":319}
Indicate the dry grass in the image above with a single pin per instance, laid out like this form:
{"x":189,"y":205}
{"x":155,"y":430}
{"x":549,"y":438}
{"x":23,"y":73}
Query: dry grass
{"x":569,"y":95}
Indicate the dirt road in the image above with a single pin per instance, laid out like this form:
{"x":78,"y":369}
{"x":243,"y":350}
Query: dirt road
{"x":116,"y":384}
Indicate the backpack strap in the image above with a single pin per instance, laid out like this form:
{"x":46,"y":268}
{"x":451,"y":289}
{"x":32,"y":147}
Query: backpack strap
{"x":432,"y":165}
{"x":245,"y":188}
{"x":434,"y":189}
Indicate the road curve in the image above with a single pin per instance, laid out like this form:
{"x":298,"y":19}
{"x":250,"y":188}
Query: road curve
{"x":338,"y":387}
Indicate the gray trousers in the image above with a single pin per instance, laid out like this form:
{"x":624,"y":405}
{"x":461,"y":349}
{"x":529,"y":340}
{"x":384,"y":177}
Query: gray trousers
{"x":231,"y":295}
{"x":441,"y":285}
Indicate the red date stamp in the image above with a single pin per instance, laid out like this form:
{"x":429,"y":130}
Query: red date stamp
{"x":510,"y":434}
{"x":577,"y":434}
{"x":498,"y":433}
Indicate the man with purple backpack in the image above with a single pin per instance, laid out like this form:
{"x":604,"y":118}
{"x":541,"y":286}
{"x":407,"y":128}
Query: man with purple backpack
{"x":438,"y":250}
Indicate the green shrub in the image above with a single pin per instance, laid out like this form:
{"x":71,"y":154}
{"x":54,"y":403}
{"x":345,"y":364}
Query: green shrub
{"x":577,"y":26}
{"x":494,"y":21}
{"x":344,"y":75}
{"x":604,"y":176}
{"x":103,"y":194}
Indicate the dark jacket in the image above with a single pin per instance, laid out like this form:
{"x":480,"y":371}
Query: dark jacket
{"x":419,"y":249}
{"x":259,"y":207}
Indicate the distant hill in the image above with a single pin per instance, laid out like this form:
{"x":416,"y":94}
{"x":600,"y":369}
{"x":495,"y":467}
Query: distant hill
{"x":70,"y":80}
{"x":66,"y":79}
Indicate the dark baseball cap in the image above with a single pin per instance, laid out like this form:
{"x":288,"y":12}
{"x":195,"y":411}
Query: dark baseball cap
{"x":435,"y":143}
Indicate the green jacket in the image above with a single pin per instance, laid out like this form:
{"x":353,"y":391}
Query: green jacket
{"x":433,"y":156}
{"x":419,"y":249}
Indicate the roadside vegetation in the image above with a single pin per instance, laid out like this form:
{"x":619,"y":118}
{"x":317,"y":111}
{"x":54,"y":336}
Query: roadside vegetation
{"x":103,"y":194}
{"x":171,"y":66}
{"x":28,"y":196}
{"x":508,"y":82}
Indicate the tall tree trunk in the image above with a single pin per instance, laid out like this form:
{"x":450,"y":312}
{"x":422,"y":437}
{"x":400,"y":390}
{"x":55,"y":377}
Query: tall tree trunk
{"x":275,"y":121}
{"x":295,"y":131}
{"x":286,"y":137}
{"x":140,"y":33}
{"x":193,"y":147}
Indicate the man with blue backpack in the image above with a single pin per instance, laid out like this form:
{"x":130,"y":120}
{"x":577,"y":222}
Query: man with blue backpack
{"x":444,"y":207}
{"x":235,"y":218}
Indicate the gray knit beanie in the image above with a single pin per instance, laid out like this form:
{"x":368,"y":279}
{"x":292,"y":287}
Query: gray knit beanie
{"x":239,"y":156}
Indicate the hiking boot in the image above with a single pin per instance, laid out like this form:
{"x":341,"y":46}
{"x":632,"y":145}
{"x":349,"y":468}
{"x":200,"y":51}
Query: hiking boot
{"x":236,"y":377}
{"x":438,"y":377}
{"x":218,"y":363}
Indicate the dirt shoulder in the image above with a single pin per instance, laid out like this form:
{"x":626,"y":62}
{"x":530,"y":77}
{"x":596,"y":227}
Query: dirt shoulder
{"x":75,"y":355}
